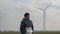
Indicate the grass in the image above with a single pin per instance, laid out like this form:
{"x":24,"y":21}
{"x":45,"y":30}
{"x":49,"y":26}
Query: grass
{"x":34,"y":33}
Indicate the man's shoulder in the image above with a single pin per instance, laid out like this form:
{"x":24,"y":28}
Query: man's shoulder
{"x":30,"y":20}
{"x":22,"y":20}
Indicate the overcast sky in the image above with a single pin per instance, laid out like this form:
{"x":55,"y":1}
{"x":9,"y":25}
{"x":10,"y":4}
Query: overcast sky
{"x":12,"y":12}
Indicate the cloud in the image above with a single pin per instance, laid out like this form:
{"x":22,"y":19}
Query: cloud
{"x":12,"y":11}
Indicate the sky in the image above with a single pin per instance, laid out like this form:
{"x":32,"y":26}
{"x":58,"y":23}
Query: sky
{"x":12,"y":12}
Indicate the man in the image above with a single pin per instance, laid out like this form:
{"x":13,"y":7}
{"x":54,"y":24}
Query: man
{"x":26,"y":26}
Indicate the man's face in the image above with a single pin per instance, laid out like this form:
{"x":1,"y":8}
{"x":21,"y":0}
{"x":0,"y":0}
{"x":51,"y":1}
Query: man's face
{"x":28,"y":16}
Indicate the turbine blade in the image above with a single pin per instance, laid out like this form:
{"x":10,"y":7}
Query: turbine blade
{"x":45,"y":16}
{"x":48,"y":6}
{"x":40,"y":8}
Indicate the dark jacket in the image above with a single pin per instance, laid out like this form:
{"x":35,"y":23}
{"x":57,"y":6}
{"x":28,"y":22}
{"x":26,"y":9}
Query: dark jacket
{"x":25,"y":23}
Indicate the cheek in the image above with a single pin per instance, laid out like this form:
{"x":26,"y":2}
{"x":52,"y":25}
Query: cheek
{"x":28,"y":17}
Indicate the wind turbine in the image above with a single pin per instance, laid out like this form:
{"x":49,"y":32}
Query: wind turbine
{"x":44,"y":15}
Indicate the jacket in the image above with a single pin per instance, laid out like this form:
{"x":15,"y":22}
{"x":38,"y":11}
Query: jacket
{"x":25,"y":23}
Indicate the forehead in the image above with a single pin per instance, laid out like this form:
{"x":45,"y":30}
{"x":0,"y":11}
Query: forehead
{"x":28,"y":15}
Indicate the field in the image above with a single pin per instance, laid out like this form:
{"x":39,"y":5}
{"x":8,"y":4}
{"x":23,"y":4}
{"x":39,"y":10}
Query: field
{"x":34,"y":33}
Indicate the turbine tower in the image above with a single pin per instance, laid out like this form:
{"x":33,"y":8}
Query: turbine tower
{"x":44,"y":15}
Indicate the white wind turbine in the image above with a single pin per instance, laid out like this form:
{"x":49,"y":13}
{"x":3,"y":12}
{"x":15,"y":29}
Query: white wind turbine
{"x":44,"y":15}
